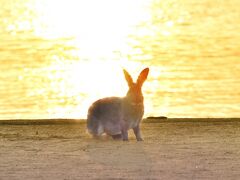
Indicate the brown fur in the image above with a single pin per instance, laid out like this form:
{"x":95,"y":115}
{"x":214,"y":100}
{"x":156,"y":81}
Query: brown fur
{"x":115,"y":116}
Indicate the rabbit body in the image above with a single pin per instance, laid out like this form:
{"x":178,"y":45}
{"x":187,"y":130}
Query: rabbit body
{"x":116,"y":115}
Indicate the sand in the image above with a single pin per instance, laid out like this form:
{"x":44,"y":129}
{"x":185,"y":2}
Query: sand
{"x":172,"y":149}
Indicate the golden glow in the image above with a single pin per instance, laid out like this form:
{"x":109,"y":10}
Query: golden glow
{"x":98,"y":31}
{"x":87,"y":82}
{"x":91,"y":20}
{"x":57,"y":56}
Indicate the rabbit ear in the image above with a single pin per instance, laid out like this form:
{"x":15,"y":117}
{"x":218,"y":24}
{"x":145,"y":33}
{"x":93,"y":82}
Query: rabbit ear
{"x":128,"y":78}
{"x":142,"y":76}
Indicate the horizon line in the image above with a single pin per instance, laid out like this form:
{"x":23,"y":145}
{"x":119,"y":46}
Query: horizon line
{"x":160,"y":119}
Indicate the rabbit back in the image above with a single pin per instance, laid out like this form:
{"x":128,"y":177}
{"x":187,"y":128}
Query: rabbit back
{"x":104,"y":115}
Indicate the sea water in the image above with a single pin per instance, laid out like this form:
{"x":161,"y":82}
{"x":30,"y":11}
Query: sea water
{"x":58,"y":56}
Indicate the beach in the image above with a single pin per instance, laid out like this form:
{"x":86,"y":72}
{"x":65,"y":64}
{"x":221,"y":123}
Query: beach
{"x":172,"y":149}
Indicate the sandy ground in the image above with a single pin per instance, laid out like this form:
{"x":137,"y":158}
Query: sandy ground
{"x":173,"y":149}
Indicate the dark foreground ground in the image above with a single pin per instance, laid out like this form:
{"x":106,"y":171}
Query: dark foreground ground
{"x":173,"y":149}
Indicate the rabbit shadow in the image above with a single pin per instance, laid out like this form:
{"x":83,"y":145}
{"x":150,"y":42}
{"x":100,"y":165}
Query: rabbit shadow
{"x":119,"y":157}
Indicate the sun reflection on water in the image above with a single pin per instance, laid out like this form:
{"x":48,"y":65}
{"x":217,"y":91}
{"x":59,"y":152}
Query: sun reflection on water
{"x":98,"y":34}
{"x":89,"y":20}
{"x":57,"y":56}
{"x":86,"y":81}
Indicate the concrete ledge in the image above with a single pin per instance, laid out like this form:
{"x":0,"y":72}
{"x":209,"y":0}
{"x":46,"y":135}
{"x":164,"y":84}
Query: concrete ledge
{"x":82,"y":121}
{"x":41,"y":121}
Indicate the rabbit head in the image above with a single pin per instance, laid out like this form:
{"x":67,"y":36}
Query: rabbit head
{"x":134,"y":94}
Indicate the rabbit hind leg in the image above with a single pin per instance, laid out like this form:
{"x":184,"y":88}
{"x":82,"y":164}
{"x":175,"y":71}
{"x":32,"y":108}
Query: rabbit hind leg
{"x":117,"y":137}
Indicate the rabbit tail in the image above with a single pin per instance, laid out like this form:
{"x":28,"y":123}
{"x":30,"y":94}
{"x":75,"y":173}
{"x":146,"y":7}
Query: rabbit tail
{"x":94,"y":126}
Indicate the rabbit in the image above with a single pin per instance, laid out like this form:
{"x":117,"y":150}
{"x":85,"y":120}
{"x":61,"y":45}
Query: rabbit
{"x":116,"y":115}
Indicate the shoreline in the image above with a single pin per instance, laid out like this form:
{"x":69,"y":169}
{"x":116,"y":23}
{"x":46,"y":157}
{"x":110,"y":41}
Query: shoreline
{"x":83,"y":121}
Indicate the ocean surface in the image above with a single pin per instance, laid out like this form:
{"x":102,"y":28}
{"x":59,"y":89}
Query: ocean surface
{"x":58,"y":56}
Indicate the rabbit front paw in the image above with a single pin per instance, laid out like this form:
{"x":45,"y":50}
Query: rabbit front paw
{"x":140,"y":139}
